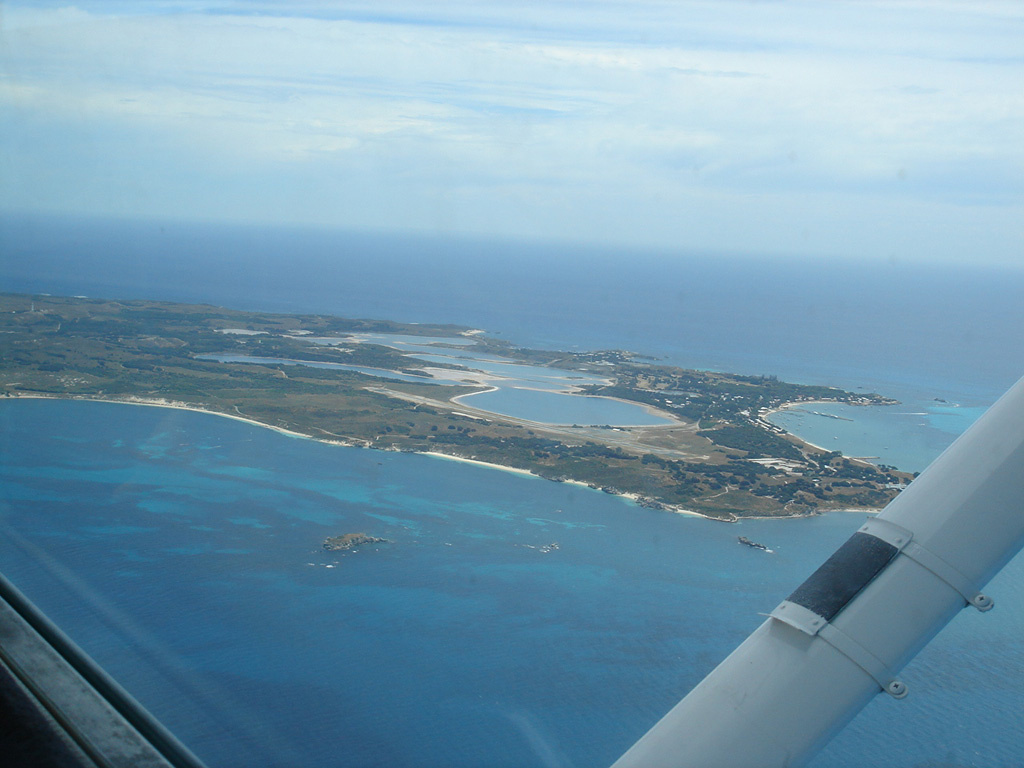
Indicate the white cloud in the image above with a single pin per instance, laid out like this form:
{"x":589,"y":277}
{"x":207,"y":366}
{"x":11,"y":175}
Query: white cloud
{"x":541,"y":120}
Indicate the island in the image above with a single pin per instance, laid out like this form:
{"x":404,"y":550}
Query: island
{"x":350,"y":540}
{"x":753,"y":544}
{"x":711,"y":451}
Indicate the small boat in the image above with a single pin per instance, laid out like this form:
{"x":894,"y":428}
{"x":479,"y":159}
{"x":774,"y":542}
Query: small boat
{"x":752,"y":544}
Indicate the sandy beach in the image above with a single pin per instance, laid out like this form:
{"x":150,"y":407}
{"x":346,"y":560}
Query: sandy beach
{"x":477,"y":462}
{"x":159,"y":402}
{"x":156,"y":402}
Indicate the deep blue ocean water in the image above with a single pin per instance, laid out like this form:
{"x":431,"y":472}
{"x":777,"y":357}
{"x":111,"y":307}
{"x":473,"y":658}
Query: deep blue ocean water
{"x":183,"y":550}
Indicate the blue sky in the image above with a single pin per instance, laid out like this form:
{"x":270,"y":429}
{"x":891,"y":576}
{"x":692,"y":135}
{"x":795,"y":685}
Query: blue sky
{"x":832,"y":129}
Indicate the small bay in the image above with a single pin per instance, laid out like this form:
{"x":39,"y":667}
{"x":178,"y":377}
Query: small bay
{"x":909,"y":435}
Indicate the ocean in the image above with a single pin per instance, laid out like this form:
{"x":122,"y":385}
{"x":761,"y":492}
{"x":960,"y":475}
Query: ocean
{"x":509,"y":620}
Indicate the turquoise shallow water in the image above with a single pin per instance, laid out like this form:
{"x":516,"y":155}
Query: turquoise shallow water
{"x":183,"y":551}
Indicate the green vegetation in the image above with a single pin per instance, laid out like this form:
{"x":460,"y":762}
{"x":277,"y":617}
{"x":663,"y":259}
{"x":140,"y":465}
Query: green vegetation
{"x":721,"y":458}
{"x":756,"y":442}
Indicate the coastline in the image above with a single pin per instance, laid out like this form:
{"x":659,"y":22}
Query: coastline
{"x":816,"y":513}
{"x":177,"y":405}
{"x":790,"y":404}
{"x":763,"y":417}
{"x":159,"y":402}
{"x":477,"y":462}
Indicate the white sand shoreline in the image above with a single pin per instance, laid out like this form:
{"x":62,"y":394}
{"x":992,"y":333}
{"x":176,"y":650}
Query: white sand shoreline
{"x":159,"y":402}
{"x":477,"y":462}
{"x":178,"y":405}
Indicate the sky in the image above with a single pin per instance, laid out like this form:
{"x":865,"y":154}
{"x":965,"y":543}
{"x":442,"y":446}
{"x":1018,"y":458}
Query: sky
{"x":888,"y":130}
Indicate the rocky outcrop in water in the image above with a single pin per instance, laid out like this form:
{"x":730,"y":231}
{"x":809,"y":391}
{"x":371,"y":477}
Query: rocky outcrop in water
{"x":350,"y":540}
